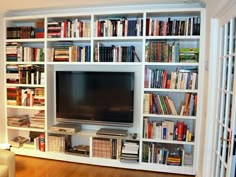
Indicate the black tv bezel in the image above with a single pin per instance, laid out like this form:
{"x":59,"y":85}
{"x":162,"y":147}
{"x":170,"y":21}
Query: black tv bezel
{"x":95,"y":122}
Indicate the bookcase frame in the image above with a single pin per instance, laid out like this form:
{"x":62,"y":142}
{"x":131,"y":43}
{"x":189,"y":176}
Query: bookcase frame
{"x":88,"y":132}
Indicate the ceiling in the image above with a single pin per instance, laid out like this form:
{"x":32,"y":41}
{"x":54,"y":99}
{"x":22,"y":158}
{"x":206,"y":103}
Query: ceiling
{"x":11,"y":5}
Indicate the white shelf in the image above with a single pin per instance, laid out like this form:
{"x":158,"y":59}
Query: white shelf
{"x":124,"y":38}
{"x":173,"y":37}
{"x":170,"y":116}
{"x":86,"y":135}
{"x":83,"y":39}
{"x":27,"y":151}
{"x":26,"y":129}
{"x":97,"y":63}
{"x":169,"y":90}
{"x":79,"y":133}
{"x":24,"y":85}
{"x":34,"y":40}
{"x":168,"y":141}
{"x":171,"y":169}
{"x":104,"y":162}
{"x":25,"y":63}
{"x":170,"y":64}
{"x":27,"y":107}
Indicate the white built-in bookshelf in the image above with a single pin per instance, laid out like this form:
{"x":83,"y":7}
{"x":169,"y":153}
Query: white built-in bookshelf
{"x":162,"y":46}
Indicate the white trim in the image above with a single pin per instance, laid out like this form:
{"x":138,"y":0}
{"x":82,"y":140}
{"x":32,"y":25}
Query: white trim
{"x":209,"y":145}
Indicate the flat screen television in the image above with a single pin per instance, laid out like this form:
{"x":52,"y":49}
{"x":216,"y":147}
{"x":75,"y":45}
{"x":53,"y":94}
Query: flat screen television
{"x":105,"y":98}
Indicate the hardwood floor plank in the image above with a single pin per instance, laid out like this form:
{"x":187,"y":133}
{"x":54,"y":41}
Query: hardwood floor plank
{"x":37,"y":167}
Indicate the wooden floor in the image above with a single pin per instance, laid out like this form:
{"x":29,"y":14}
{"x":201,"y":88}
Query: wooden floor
{"x":36,"y":167}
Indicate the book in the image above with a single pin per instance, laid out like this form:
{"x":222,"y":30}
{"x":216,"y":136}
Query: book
{"x":42,"y":142}
{"x":18,"y":141}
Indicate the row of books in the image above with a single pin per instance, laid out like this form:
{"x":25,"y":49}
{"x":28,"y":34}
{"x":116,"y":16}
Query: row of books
{"x":68,"y":28}
{"x":35,"y":121}
{"x":71,"y":53}
{"x":106,"y":147}
{"x":21,"y":32}
{"x":37,"y":142}
{"x":166,"y":154}
{"x":162,"y":51}
{"x":26,"y":32}
{"x":187,"y":26}
{"x":115,"y":53}
{"x":108,"y":27}
{"x":180,"y":79}
{"x":119,"y":27}
{"x":59,"y":143}
{"x":16,"y":52}
{"x":159,"y":104}
{"x":25,"y":74}
{"x":18,"y":96}
{"x":156,"y":51}
{"x":166,"y":130}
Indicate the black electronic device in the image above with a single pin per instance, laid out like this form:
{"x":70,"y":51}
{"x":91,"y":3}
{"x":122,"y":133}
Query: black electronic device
{"x":105,"y":98}
{"x":112,"y":132}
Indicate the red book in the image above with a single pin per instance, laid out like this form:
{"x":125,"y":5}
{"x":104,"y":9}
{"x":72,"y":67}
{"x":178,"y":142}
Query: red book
{"x":65,"y":29}
{"x":81,"y":29}
{"x":42,"y":142}
{"x":149,"y":130}
{"x":186,"y":106}
{"x":98,"y":29}
{"x":164,"y":80}
{"x":147,"y":26}
{"x":180,"y":127}
{"x":167,"y":105}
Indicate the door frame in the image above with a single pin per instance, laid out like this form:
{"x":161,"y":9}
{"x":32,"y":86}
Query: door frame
{"x":222,"y":15}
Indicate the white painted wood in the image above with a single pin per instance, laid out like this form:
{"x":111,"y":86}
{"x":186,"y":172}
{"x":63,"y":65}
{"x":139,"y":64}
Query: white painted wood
{"x":225,"y":104}
{"x":138,"y":68}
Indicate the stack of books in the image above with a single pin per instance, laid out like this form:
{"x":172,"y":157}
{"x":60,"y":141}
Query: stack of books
{"x":18,"y":121}
{"x":11,"y":51}
{"x":189,"y":55}
{"x":18,"y":141}
{"x":39,"y":29}
{"x":174,"y":159}
{"x":38,"y":120}
{"x":12,"y":75}
{"x":62,"y":51}
{"x":130,"y":152}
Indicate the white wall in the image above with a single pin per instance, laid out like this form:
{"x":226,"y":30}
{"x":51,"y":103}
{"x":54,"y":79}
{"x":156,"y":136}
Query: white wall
{"x":29,"y":4}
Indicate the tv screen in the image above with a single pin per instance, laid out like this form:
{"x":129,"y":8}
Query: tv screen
{"x":105,"y":98}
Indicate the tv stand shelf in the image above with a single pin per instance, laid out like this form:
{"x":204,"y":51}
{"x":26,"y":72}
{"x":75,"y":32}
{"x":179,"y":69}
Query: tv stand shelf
{"x":152,"y":42}
{"x":79,"y":133}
